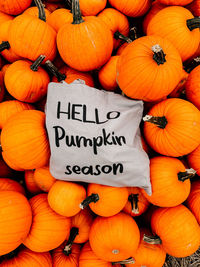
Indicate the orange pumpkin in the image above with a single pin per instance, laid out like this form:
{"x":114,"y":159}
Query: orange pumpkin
{"x":170,"y":182}
{"x":172,"y":127}
{"x":14,"y":7}
{"x":194,"y":160}
{"x":53,"y":6}
{"x":89,"y":259}
{"x":59,"y":17}
{"x":137,"y":202}
{"x":30,"y":182}
{"x":121,"y":49}
{"x":177,"y":229}
{"x":175,"y":2}
{"x":27,"y":81}
{"x":180,"y":87}
{"x":92,"y":7}
{"x":194,"y":7}
{"x":5,"y":171}
{"x":11,"y":107}
{"x":130,"y":8}
{"x":25,"y":257}
{"x":4,"y":68}
{"x":43,"y":178}
{"x":33,"y":11}
{"x":28,"y":149}
{"x":105,"y":200}
{"x":15,"y":220}
{"x":4,"y":17}
{"x":62,"y":259}
{"x":149,"y":68}
{"x":11,"y":185}
{"x":114,"y":238}
{"x":181,"y":30}
{"x":193,"y":201}
{"x":65,"y":197}
{"x":46,"y":222}
{"x":89,"y":41}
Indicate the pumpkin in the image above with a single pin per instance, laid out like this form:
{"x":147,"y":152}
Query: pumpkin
{"x":170,"y":182}
{"x":59,"y":17}
{"x":53,"y":6}
{"x":33,"y":11}
{"x":15,"y":220}
{"x":2,"y":88}
{"x":89,"y":41}
{"x":11,"y":185}
{"x":175,"y":2}
{"x":105,"y":200}
{"x":88,"y":258}
{"x":194,"y":7}
{"x":31,"y":37}
{"x":28,"y":149}
{"x":27,"y":81}
{"x":108,"y":73}
{"x":149,"y":68}
{"x":63,"y":259}
{"x":5,"y":171}
{"x":121,"y":49}
{"x":11,"y":107}
{"x":4,"y":17}
{"x":43,"y":178}
{"x":117,"y":23}
{"x":25,"y":257}
{"x":4,"y":68}
{"x":137,"y":202}
{"x":114,"y":238}
{"x":180,"y":87}
{"x":130,"y":8}
{"x":181,"y":30}
{"x":177,"y":229}
{"x":92,"y":7}
{"x":14,"y":7}
{"x":172,"y":127}
{"x":65,"y":197}
{"x":30,"y":182}
{"x":194,"y":160}
{"x":46,"y":222}
{"x":193,"y":201}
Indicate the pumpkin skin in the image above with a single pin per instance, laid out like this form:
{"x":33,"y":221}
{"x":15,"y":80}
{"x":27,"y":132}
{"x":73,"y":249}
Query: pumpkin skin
{"x":192,"y":87}
{"x":180,"y":87}
{"x":89,"y":259}
{"x":141,"y":77}
{"x":140,"y":203}
{"x":61,"y":259}
{"x":17,"y":146}
{"x":194,"y":7}
{"x":53,"y":6}
{"x":193,"y":201}
{"x":33,"y":11}
{"x":168,"y":190}
{"x":15,"y":220}
{"x":121,"y":49}
{"x":11,"y":107}
{"x":181,"y":135}
{"x":26,"y":84}
{"x":178,"y":229}
{"x":11,"y":185}
{"x":4,"y":17}
{"x":175,"y":2}
{"x":65,"y":198}
{"x":46,"y":222}
{"x":114,"y":238}
{"x":92,"y":7}
{"x":26,"y":257}
{"x":194,"y":160}
{"x":30,"y":182}
{"x":130,"y":8}
{"x":43,"y":178}
{"x":59,"y":17}
{"x":14,"y":7}
{"x":176,"y":30}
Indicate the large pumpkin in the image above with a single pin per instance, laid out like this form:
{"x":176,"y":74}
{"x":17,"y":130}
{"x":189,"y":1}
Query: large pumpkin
{"x":193,"y":201}
{"x":15,"y":220}
{"x":27,"y":149}
{"x":172,"y":127}
{"x":149,"y":68}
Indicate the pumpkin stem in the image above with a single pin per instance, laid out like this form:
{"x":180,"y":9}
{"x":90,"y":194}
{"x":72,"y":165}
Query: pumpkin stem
{"x":77,"y":17}
{"x":188,"y":174}
{"x":120,"y":36}
{"x":52,"y":68}
{"x":158,"y":54}
{"x":73,"y":233}
{"x":37,"y":62}
{"x":161,"y":122}
{"x":133,"y":198}
{"x":153,"y":240}
{"x":41,"y":10}
{"x":92,"y":198}
{"x":193,"y":64}
{"x":128,"y":261}
{"x":4,"y":45}
{"x":133,"y":33}
{"x":193,"y":23}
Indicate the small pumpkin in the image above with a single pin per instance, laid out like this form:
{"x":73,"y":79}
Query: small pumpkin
{"x":53,"y":6}
{"x":193,"y":201}
{"x":46,"y":222}
{"x":43,"y":178}
{"x":14,"y":7}
{"x":59,"y":17}
{"x":30,"y":182}
{"x":114,"y":238}
{"x":92,"y":7}
{"x":7,"y":184}
{"x":194,"y":160}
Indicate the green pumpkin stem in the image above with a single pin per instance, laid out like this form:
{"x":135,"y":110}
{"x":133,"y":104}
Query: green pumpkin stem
{"x":188,"y":174}
{"x":77,"y":16}
{"x":193,"y":23}
{"x":158,"y":54}
{"x":133,"y":198}
{"x":161,"y":122}
{"x":37,"y":63}
{"x":68,"y":248}
{"x":92,"y":198}
{"x":52,"y":68}
{"x":120,"y":36}
{"x":128,"y":261}
{"x":153,"y":240}
{"x":41,"y":10}
{"x":4,"y":45}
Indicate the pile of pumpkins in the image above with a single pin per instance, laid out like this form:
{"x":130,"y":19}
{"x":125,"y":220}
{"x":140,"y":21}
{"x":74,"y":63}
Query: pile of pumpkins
{"x":50,"y":222}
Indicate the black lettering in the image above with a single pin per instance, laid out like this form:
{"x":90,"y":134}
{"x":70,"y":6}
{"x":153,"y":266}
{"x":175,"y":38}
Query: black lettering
{"x":74,"y":112}
{"x":68,"y":168}
{"x":76,"y":169}
{"x":87,"y":170}
{"x":86,"y":141}
{"x":120,"y":140}
{"x":70,"y":141}
{"x":85,"y":115}
{"x":116,"y":167}
{"x":98,"y":171}
{"x":97,"y":142}
{"x":59,"y":135}
{"x":113,"y":139}
{"x":114,"y":116}
{"x":64,"y":112}
{"x":97,"y":117}
{"x":109,"y":169}
{"x":106,"y":137}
